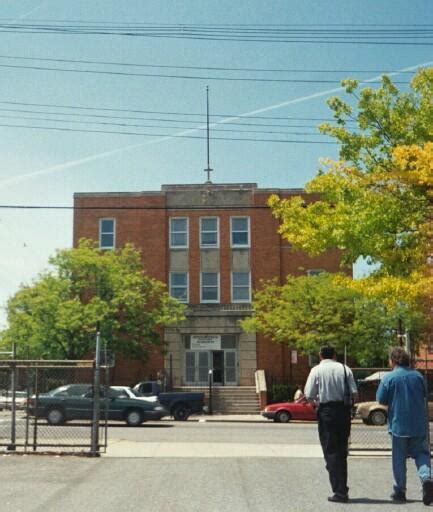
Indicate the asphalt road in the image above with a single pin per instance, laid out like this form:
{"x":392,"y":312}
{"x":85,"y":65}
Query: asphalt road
{"x":179,"y":477}
{"x":294,"y":433}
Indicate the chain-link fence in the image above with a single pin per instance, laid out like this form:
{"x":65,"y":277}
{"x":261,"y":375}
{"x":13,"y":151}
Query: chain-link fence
{"x":369,"y":426}
{"x":33,"y":412}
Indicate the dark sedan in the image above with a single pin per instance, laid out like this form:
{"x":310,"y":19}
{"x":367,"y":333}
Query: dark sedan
{"x":75,"y":402}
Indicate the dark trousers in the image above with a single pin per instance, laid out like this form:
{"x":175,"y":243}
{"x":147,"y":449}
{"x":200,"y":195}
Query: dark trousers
{"x":334,"y":431}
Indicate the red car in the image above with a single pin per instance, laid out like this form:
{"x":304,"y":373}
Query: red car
{"x":286,"y":411}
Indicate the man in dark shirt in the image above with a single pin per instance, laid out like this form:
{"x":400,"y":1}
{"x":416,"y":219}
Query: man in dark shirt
{"x":403,"y":391}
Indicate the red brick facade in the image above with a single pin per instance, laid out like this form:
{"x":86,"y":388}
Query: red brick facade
{"x":143,"y":219}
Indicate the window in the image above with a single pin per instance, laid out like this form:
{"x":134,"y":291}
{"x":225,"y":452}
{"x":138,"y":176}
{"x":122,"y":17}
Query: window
{"x":179,"y":285}
{"x":241,"y":287}
{"x":209,"y":287}
{"x":178,"y":233}
{"x":209,"y":232}
{"x":240,"y":231}
{"x":107,"y":238}
{"x":228,"y":341}
{"x":313,"y":359}
{"x":315,"y":271}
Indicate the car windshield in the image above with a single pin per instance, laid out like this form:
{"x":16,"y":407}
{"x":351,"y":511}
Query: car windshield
{"x":117,"y":393}
{"x":125,"y":390}
{"x":71,"y":390}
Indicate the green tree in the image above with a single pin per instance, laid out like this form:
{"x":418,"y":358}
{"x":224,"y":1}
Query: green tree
{"x":309,"y":311}
{"x":366,"y":208}
{"x":375,"y":203}
{"x":55,"y":316}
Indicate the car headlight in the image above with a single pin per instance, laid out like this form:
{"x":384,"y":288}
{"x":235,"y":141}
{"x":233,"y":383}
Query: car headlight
{"x":158,"y":408}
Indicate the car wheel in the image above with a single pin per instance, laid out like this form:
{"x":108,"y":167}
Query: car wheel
{"x":56,"y":416}
{"x":134,"y":418}
{"x":377,"y":417}
{"x":283,"y":417}
{"x":181,"y":412}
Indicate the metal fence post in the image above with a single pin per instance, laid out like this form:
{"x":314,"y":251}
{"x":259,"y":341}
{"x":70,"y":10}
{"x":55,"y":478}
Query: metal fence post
{"x":210,"y":391}
{"x":12,"y":446}
{"x":170,"y":375}
{"x":96,"y":393}
{"x":36,"y":409}
{"x":26,"y":442}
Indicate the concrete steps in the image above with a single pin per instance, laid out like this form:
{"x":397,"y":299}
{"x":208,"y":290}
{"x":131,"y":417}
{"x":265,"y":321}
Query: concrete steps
{"x":230,"y":399}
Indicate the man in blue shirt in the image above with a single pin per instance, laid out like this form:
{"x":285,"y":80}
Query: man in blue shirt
{"x":403,"y":391}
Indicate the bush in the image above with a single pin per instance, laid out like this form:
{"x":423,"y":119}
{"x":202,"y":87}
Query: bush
{"x":281,"y":392}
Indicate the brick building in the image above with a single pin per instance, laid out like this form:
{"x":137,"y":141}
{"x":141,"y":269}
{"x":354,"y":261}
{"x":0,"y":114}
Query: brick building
{"x":211,"y":244}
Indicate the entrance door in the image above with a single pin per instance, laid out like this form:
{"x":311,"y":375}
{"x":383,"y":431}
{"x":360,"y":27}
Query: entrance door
{"x":230,"y":367}
{"x":218,"y":367}
{"x":196,"y":367}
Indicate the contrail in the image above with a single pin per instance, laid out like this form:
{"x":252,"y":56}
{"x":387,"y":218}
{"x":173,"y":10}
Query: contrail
{"x":27,"y":13}
{"x":80,"y":161}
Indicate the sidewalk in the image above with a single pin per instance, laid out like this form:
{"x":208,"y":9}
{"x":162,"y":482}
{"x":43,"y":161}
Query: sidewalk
{"x":245,"y":418}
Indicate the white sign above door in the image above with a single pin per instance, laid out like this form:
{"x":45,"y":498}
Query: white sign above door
{"x":205,"y":342}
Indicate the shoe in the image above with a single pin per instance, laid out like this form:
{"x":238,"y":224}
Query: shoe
{"x":427,"y":491}
{"x":398,"y":497}
{"x":339,"y":498}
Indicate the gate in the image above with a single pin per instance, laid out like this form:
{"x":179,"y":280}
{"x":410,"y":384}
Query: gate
{"x":33,"y":414}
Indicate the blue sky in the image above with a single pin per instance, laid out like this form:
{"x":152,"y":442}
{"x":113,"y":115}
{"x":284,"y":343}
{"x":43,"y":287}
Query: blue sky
{"x":45,"y":167}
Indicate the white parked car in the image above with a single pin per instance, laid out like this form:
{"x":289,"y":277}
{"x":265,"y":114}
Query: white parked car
{"x":6,"y":399}
{"x":131,"y":394}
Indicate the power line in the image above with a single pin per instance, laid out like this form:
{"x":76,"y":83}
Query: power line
{"x":206,"y":68}
{"x":230,"y":39}
{"x":195,"y":124}
{"x":129,"y":133}
{"x":109,"y":207}
{"x":143,"y":23}
{"x":183,"y":77}
{"x":236,"y":29}
{"x":256,"y":33}
{"x":104,"y":123}
{"x":138,"y":111}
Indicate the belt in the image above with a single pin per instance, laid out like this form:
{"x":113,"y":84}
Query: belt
{"x":332,"y":403}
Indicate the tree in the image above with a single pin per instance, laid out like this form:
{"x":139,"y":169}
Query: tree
{"x":309,"y":311}
{"x":55,"y":316}
{"x":372,"y":204}
{"x":375,"y":203}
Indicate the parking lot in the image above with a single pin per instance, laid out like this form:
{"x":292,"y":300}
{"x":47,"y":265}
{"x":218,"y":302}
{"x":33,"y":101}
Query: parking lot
{"x":198,"y":466}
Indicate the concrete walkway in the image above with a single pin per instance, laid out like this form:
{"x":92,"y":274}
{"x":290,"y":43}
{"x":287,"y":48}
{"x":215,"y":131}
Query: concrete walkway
{"x":123,"y":448}
{"x":248,"y":418}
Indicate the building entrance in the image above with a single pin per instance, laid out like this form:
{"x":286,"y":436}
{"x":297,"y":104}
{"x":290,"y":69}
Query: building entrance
{"x":218,"y":367}
{"x":216,"y":353}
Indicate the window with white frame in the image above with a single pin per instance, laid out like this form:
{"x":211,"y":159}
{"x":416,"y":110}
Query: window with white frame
{"x":178,"y":233}
{"x":240,"y":231}
{"x":209,"y":287}
{"x":209,"y":236}
{"x":107,"y":233}
{"x":179,"y":285}
{"x":241,"y":287}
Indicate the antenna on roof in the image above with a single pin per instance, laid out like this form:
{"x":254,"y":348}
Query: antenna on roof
{"x":208,"y":169}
